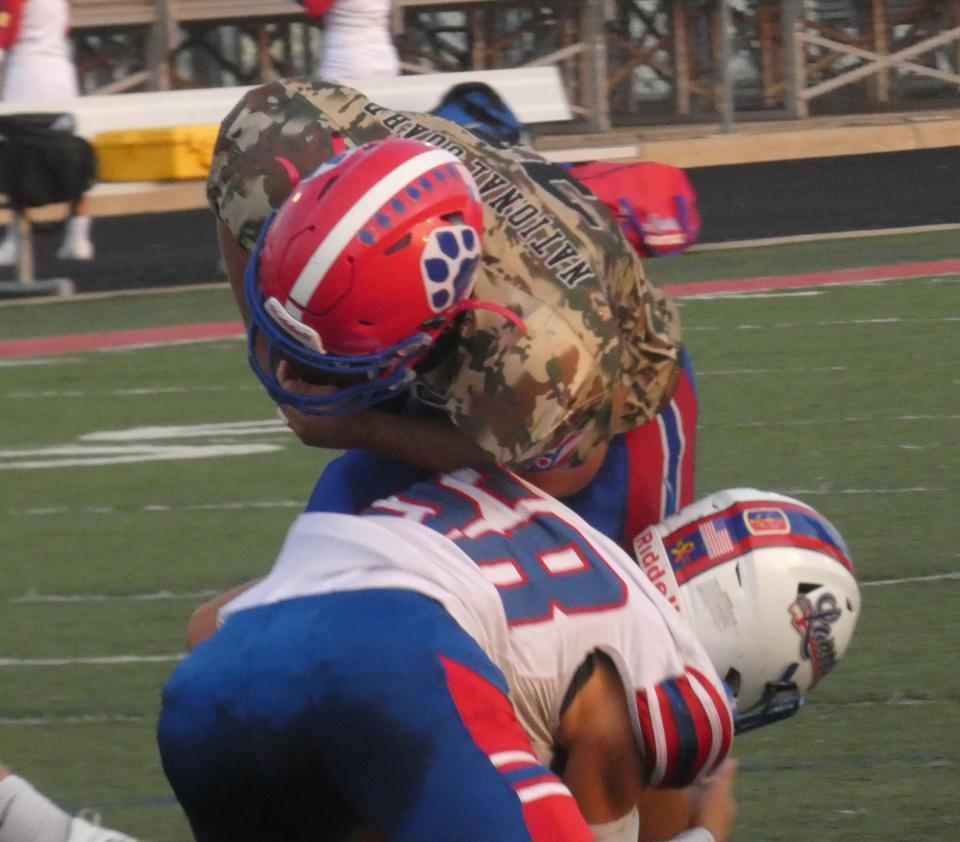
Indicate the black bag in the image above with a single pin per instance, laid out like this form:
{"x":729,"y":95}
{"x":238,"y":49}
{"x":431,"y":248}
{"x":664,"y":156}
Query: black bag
{"x":478,"y":107}
{"x":42,"y":162}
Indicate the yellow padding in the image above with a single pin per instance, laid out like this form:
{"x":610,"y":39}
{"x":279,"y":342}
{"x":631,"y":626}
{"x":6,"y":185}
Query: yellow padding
{"x":178,"y":152}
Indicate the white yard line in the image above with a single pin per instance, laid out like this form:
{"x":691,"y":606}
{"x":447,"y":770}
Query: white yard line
{"x":155,"y":596}
{"x":813,"y":238}
{"x":184,"y":431}
{"x":81,"y":719}
{"x":119,"y":293}
{"x":740,"y":371}
{"x":144,"y":391}
{"x":93,"y":660}
{"x":153,"y":508}
{"x":169,"y":343}
{"x":31,"y":361}
{"x":829,"y":492}
{"x":911,"y":580}
{"x":733,"y":296}
{"x":138,"y":444}
{"x":849,"y":419}
{"x":86,"y":457}
{"x":198,"y":596}
{"x":887,"y":320}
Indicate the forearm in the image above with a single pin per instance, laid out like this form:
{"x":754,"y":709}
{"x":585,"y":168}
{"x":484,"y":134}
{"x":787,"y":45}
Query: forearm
{"x":433,"y":444}
{"x":235,"y":263}
{"x":28,"y":816}
{"x":204,"y":620}
{"x":666,"y":812}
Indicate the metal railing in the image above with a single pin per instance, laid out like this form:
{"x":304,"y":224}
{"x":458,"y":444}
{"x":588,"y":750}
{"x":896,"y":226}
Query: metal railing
{"x":624,"y":62}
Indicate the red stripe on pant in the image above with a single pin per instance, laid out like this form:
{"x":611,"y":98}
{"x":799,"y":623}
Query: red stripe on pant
{"x":489,"y":717}
{"x":649,"y":455}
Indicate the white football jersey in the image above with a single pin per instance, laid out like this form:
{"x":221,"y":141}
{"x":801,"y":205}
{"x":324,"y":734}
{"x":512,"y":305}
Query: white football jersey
{"x":43,"y":28}
{"x":37,"y":67}
{"x":356,"y":41}
{"x":539,"y":590}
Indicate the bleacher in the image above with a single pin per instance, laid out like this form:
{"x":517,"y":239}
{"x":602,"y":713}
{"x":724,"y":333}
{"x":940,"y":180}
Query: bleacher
{"x":536,"y":95}
{"x":97,"y":14}
{"x":571,"y":69}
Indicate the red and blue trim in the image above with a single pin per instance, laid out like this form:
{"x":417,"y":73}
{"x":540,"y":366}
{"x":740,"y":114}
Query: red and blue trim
{"x":750,"y":526}
{"x":687,"y":729}
{"x":549,"y":810}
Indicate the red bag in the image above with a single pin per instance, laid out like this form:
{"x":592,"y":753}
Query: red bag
{"x":655,"y":204}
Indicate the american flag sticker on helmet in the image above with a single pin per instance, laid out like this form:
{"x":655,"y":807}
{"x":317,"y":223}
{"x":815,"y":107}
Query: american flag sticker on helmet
{"x":716,"y":538}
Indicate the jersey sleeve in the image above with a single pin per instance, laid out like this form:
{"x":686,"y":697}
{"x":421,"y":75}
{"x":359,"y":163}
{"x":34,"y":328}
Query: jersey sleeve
{"x":686,"y":727}
{"x":316,"y":8}
{"x":11,"y":13}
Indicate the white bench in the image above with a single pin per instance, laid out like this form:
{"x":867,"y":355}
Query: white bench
{"x":535,"y":94}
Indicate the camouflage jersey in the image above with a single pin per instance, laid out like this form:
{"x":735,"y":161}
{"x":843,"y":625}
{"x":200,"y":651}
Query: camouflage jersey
{"x":602,"y":347}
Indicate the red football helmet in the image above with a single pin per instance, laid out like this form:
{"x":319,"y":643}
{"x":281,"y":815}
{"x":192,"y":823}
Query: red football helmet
{"x":363,"y":265}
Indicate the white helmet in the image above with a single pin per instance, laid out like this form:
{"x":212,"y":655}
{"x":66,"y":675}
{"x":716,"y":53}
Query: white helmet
{"x":768,"y":587}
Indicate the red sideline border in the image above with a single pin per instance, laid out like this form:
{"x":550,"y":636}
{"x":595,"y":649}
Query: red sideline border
{"x":80,"y":342}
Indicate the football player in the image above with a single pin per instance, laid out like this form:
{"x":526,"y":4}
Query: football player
{"x":519,"y":313}
{"x":356,"y":39}
{"x":470,"y":660}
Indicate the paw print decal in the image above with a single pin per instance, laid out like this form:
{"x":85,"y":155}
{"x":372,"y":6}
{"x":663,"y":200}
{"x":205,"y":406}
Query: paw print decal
{"x":448,"y":265}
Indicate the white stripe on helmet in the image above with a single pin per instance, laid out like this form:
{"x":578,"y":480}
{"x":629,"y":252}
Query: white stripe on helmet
{"x":356,"y":217}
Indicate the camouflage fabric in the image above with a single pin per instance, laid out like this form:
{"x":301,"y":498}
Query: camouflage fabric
{"x":602,"y":346}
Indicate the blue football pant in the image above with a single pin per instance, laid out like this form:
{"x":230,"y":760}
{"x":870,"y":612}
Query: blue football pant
{"x":299,"y":719}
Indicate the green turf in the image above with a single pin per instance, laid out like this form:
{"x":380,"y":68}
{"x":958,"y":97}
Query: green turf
{"x":111,"y":767}
{"x":820,"y":779}
{"x":123,"y":312}
{"x":813,"y":256}
{"x":848,"y":397}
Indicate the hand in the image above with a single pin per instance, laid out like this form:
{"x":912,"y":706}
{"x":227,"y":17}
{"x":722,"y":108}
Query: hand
{"x":715,"y":808}
{"x":333,"y":431}
{"x":204,"y":621}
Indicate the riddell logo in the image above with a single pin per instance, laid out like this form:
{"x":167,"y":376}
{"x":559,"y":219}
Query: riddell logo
{"x":654,"y":563}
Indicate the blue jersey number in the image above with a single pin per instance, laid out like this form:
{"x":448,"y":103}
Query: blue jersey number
{"x":541,"y":565}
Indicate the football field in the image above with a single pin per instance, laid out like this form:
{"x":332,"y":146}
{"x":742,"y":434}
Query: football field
{"x":136,"y":482}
